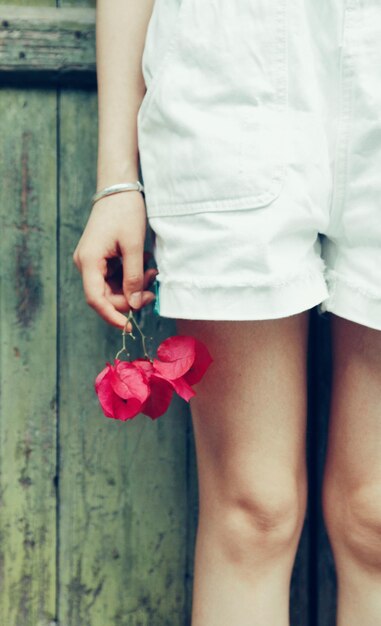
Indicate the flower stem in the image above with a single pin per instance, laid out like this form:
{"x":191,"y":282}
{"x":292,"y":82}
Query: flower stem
{"x":131,"y":318}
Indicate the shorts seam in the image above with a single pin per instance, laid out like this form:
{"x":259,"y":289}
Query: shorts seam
{"x":209,"y":284}
{"x":204,"y":206}
{"x":333,"y":277}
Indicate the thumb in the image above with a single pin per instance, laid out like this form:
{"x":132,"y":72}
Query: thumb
{"x":133,"y":274}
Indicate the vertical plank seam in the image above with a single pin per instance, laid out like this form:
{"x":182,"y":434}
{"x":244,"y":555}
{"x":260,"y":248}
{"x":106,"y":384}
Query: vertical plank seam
{"x":58,"y":301}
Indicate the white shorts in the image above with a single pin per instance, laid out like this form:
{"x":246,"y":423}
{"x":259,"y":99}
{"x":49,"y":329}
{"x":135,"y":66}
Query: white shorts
{"x":260,"y":150}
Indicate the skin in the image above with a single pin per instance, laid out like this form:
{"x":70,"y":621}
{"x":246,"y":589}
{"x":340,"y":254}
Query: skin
{"x":352,"y":476}
{"x":249,"y":414}
{"x":249,"y":422}
{"x":116,"y":225}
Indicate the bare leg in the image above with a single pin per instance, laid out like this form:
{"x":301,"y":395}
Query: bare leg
{"x":352,"y":481}
{"x":249,"y":419}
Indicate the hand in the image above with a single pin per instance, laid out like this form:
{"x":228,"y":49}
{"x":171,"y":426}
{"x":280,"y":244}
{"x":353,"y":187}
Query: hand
{"x":116,"y":227}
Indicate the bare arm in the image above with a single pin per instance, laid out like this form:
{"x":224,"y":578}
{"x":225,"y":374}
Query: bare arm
{"x":117,"y":224}
{"x":121,"y":30}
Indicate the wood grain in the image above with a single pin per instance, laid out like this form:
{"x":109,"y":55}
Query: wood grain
{"x":56,"y":45}
{"x":28,"y":358}
{"x":123,"y":497}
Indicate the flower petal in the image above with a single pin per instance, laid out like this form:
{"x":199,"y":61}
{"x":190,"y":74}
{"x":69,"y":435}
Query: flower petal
{"x":159,"y":399}
{"x":175,"y":356}
{"x":105,"y":395}
{"x":129,"y":382}
{"x":201,"y":363}
{"x":100,"y":376}
{"x":145,"y":366}
{"x":125,"y":409}
{"x":182,"y":388}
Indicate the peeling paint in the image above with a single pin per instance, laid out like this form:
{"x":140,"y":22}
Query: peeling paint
{"x":28,"y":283}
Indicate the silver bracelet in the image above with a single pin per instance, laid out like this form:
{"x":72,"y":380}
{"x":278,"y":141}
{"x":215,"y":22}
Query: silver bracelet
{"x":118,"y":188}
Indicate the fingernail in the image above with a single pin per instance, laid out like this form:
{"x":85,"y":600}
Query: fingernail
{"x":135,"y":299}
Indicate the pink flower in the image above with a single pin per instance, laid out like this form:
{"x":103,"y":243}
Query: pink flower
{"x":161,"y":391}
{"x":146,"y":386}
{"x":122,"y":390}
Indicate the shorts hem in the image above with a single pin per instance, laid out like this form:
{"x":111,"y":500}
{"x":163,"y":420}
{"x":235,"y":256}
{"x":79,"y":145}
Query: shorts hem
{"x":242,"y":302}
{"x":349,"y":300}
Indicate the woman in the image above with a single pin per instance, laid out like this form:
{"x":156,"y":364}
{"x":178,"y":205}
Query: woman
{"x":259,"y":140}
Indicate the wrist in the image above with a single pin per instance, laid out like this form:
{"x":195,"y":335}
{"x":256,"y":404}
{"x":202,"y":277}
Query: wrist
{"x":118,"y":188}
{"x":114,"y":174}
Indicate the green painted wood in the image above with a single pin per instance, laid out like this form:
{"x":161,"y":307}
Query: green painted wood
{"x":42,"y":39}
{"x":123,"y":497}
{"x":28,"y":358}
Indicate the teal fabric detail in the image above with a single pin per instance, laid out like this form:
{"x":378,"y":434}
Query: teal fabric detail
{"x":156,"y":308}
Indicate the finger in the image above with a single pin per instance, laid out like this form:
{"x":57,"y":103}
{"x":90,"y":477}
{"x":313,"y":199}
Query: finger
{"x":94,"y":288}
{"x":133,"y":274}
{"x":149,"y":277}
{"x":113,"y":284}
{"x":120,"y":303}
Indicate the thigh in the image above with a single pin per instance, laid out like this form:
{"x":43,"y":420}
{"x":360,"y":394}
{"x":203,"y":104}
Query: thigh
{"x":249,"y":414}
{"x":354,"y":444}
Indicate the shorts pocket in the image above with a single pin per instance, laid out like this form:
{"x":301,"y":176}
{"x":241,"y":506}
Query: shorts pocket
{"x":212,"y":126}
{"x":160,"y":39}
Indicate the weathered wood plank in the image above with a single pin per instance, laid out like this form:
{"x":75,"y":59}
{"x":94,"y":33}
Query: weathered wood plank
{"x":27,"y":358}
{"x":54,"y":44}
{"x":123,"y":499}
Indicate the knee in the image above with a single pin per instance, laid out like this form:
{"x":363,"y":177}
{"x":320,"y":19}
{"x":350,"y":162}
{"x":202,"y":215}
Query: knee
{"x":353,"y":520}
{"x":269,"y":519}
